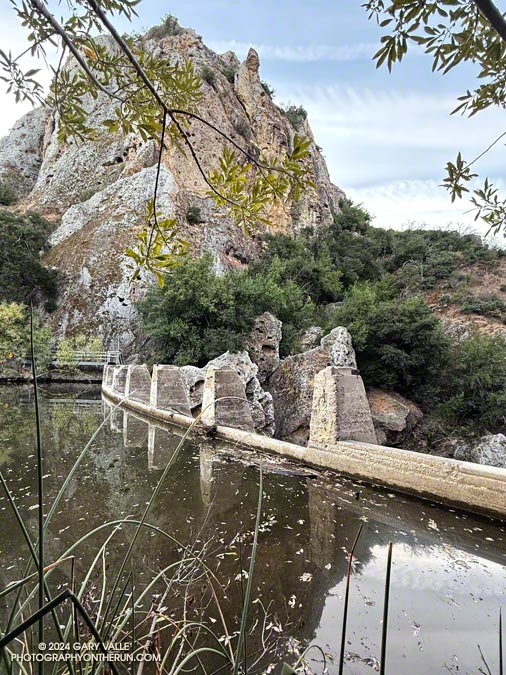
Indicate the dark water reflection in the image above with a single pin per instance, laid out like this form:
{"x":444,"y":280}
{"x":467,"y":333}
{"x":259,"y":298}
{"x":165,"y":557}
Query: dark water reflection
{"x":448,"y":575}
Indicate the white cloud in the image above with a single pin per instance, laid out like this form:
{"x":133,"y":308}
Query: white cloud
{"x":298,"y":53}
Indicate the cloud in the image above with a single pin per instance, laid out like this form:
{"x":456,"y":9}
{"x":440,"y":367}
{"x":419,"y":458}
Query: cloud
{"x":415,"y":203}
{"x":298,"y":53}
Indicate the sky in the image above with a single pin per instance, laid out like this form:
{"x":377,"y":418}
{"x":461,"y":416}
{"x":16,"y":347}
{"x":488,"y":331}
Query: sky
{"x":386,"y":137}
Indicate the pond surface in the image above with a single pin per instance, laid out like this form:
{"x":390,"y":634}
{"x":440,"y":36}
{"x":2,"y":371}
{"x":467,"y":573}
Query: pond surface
{"x":448,"y":573}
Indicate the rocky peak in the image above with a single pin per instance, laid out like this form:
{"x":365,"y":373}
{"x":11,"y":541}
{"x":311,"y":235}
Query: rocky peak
{"x":95,"y":191}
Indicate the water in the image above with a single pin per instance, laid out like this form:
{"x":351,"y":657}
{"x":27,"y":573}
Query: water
{"x":448,"y":573}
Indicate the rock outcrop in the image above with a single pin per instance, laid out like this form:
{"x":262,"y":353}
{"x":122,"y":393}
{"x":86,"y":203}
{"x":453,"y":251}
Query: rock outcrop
{"x":393,"y":415}
{"x":96,"y":191}
{"x":291,"y":385}
{"x":490,"y":450}
{"x":263,"y":345}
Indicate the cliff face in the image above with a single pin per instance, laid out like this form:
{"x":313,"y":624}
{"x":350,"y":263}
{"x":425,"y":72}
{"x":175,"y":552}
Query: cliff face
{"x":96,"y":192}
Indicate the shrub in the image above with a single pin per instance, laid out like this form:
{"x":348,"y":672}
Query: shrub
{"x":198,"y":315}
{"x":243,"y":128}
{"x":208,"y":75}
{"x":67,"y":354}
{"x":267,"y":88}
{"x":473,"y":386}
{"x":399,"y":344}
{"x":492,"y":306}
{"x":194,"y":215}
{"x":230,"y":73}
{"x":296,"y":115}
{"x":15,"y":338}
{"x":7,"y":194}
{"x":23,"y":277}
{"x":169,"y":26}
{"x":352,"y":217}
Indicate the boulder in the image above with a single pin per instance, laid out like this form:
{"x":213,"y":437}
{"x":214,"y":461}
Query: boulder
{"x":339,"y":345}
{"x":393,"y":415}
{"x":490,"y":450}
{"x":291,"y":385}
{"x":263,"y":344}
{"x":310,"y":338}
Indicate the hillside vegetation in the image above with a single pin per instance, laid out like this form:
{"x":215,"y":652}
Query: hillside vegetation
{"x":373,"y":281}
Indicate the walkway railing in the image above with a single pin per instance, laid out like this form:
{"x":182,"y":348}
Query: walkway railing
{"x":89,"y":358}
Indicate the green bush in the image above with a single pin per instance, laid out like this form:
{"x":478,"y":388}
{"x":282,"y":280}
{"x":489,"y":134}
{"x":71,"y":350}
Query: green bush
{"x":169,"y":26}
{"x":208,"y":75}
{"x":7,"y":194}
{"x":15,"y":338}
{"x":492,"y":306}
{"x":473,"y":386}
{"x":352,"y":217}
{"x":296,"y":115}
{"x":194,"y":215}
{"x":267,"y":88}
{"x":230,"y":73}
{"x":399,"y":344}
{"x":198,"y":315}
{"x":23,"y":277}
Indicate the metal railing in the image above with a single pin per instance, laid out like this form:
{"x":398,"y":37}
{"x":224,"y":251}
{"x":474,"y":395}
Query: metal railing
{"x":89,"y":358}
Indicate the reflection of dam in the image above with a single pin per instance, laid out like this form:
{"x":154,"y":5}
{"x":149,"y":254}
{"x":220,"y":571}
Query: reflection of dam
{"x":308,"y":526}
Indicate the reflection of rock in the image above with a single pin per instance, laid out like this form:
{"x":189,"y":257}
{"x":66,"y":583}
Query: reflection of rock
{"x":490,"y":450}
{"x":393,"y":415}
{"x":135,"y":431}
{"x":224,"y":400}
{"x":340,"y":409}
{"x":291,"y":385}
{"x":263,"y":344}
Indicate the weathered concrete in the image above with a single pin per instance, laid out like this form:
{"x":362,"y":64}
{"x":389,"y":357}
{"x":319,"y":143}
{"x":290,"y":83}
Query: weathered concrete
{"x":472,"y":487}
{"x":224,"y":400}
{"x":119,"y":379}
{"x":138,"y":383}
{"x":168,"y":390}
{"x":340,"y":409}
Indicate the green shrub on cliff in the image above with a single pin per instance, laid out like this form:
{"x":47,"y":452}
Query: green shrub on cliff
{"x":15,"y":339}
{"x":23,"y":277}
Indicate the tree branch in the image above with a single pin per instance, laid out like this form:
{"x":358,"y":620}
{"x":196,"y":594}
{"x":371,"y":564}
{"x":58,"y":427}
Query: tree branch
{"x":493,"y":15}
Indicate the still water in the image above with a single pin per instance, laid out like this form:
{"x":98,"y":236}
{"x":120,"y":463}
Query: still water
{"x":448,"y":574}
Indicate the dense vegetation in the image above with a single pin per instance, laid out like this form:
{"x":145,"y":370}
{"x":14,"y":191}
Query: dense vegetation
{"x":368,"y":279}
{"x":23,"y":277}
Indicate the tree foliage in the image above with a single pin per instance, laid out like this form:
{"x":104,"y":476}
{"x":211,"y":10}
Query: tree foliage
{"x":15,"y":339}
{"x":453,"y":32}
{"x":23,"y":277}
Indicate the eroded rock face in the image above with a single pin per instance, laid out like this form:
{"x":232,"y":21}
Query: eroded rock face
{"x":490,"y":450}
{"x":393,"y":415}
{"x":310,"y":338}
{"x":21,"y":152}
{"x":81,"y":187}
{"x":292,"y":383}
{"x":263,"y":344}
